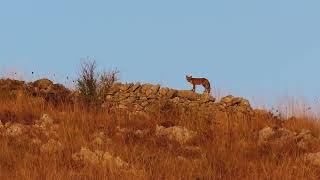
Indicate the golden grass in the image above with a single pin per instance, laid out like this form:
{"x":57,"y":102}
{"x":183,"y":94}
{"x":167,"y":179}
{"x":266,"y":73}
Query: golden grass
{"x":229,"y":146}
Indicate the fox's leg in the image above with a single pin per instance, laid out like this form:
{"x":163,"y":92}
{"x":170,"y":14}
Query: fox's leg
{"x":194,"y":88}
{"x":207,"y":88}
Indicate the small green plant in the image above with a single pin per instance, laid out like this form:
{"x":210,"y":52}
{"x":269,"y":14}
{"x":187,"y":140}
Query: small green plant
{"x":93,"y":85}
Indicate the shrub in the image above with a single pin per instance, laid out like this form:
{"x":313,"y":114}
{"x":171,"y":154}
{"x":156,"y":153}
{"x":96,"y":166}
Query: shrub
{"x":93,"y":85}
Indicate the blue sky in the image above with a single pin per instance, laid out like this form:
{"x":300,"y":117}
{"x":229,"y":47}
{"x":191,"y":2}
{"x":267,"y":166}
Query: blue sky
{"x":247,"y":48}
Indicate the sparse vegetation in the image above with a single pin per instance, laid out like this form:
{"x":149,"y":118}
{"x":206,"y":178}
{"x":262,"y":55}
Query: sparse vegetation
{"x":93,"y":85}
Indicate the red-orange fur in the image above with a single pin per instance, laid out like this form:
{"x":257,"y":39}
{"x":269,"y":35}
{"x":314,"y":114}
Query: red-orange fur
{"x":199,"y":81}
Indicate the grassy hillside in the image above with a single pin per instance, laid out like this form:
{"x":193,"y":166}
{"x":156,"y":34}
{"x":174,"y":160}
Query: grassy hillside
{"x":43,"y":140}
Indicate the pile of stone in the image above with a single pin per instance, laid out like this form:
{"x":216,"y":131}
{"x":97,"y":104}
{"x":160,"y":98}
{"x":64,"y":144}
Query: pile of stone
{"x":43,"y":88}
{"x":238,"y":103}
{"x":180,"y":134}
{"x":303,"y":139}
{"x":142,"y":97}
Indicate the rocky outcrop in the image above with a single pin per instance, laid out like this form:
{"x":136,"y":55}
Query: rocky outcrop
{"x":43,"y":88}
{"x":134,"y":97}
{"x":13,"y":130}
{"x":51,"y":147}
{"x":240,"y":104}
{"x":145,"y":97}
{"x":303,"y":140}
{"x":313,"y":158}
{"x":175,"y":133}
{"x":88,"y":157}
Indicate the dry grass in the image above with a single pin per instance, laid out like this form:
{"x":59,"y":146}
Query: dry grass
{"x":230,"y":148}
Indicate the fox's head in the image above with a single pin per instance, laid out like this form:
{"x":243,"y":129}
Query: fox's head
{"x":188,"y":78}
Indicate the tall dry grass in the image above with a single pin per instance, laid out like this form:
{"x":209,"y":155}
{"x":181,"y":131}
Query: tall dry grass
{"x":229,"y":145}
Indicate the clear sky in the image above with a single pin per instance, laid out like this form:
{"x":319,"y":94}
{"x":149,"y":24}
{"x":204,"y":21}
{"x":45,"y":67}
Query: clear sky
{"x":248,"y":48}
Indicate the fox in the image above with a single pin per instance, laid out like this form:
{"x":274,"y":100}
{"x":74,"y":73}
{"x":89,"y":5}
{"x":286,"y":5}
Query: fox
{"x":199,"y":81}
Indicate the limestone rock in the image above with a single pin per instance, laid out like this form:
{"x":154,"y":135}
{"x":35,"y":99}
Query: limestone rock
{"x":125,"y":87}
{"x":45,"y":122}
{"x":153,"y":90}
{"x":266,"y":134}
{"x":305,"y":139}
{"x":172,"y":93}
{"x":86,"y":156}
{"x":113,"y":162}
{"x":205,"y":98}
{"x":234,"y":101}
{"x":135,"y":87}
{"x":51,"y":147}
{"x":313,"y":158}
{"x":187,"y":94}
{"x":43,"y":83}
{"x":163,"y":91}
{"x":176,"y":133}
{"x":14,"y":130}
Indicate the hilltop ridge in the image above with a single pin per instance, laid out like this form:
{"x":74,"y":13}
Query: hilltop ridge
{"x":127,"y":96}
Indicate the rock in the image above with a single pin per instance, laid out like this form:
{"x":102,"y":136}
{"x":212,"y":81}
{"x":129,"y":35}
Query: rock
{"x":51,"y":147}
{"x":227,"y":99}
{"x":123,"y":107}
{"x":130,"y":100}
{"x":135,"y":87}
{"x":43,"y":83}
{"x":138,"y":107}
{"x":266,"y":133}
{"x":145,"y":88}
{"x":205,"y":98}
{"x":45,"y":122}
{"x":141,"y":133}
{"x":305,"y":139}
{"x":171,"y":93}
{"x":176,"y":100}
{"x":11,"y":85}
{"x":1,"y":125}
{"x":153,"y":90}
{"x":144,"y":104}
{"x":234,"y":101}
{"x":113,"y":162}
{"x":14,"y":130}
{"x":187,"y":94}
{"x":313,"y":158}
{"x":163,"y":91}
{"x":125,"y":87}
{"x":176,"y":133}
{"x":86,"y":156}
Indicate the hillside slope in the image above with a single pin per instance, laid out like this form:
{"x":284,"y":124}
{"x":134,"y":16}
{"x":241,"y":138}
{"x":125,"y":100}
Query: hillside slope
{"x":144,"y":131}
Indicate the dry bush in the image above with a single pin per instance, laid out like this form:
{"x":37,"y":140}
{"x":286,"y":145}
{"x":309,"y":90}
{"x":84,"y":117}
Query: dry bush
{"x":93,"y":85}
